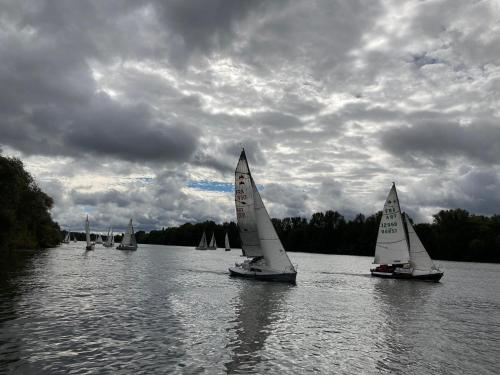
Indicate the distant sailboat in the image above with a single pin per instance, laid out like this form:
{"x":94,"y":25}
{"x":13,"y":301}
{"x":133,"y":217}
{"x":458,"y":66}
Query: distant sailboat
{"x":399,"y":252}
{"x":90,"y":245}
{"x":203,"y":243}
{"x":128,"y":241}
{"x":109,"y":239}
{"x":66,"y":238}
{"x":99,"y":240}
{"x":226,"y":243}
{"x":213,"y":243}
{"x":259,"y":240}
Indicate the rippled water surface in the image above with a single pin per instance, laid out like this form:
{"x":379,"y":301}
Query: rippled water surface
{"x":168,"y":309}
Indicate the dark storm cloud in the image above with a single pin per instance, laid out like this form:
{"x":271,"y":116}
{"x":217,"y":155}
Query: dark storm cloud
{"x":201,"y":26}
{"x":435,"y":141}
{"x":50,"y":103}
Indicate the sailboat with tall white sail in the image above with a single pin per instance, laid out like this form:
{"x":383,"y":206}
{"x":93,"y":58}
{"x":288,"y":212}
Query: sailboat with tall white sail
{"x":260,"y":243}
{"x":99,"y":240}
{"x":203,"y":243}
{"x":128,"y":241}
{"x":109,"y":239}
{"x":66,"y":238}
{"x":399,"y":252}
{"x":213,"y":244}
{"x":226,"y":243}
{"x":90,"y":245}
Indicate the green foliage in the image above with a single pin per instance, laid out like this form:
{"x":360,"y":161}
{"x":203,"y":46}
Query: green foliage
{"x":454,"y":235}
{"x":25,"y":221}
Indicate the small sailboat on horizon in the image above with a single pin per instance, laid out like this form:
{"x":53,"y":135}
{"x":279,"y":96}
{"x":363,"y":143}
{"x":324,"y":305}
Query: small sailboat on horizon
{"x":90,"y":245}
{"x":67,"y":238}
{"x":213,"y":243}
{"x":99,"y":240}
{"x":203,"y":243}
{"x":267,"y":259}
{"x":110,"y":239}
{"x":226,"y":243}
{"x":399,"y":252}
{"x":128,"y":242}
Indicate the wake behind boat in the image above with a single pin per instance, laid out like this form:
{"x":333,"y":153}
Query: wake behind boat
{"x":259,"y":240}
{"x":128,"y":241}
{"x":399,"y":252}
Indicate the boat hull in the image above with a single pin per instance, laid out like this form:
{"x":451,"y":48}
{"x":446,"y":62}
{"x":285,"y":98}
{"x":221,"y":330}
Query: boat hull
{"x":106,"y":245}
{"x":435,"y":276}
{"x":122,"y":247}
{"x":266,"y":276}
{"x":89,"y":247}
{"x":200,"y":248}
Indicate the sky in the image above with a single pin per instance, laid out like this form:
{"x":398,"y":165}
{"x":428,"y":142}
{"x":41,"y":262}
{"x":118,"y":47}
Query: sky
{"x":125,"y":108}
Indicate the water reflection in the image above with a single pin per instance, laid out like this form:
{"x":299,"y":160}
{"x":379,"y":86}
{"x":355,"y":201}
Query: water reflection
{"x":402,"y":305}
{"x":15,"y":268}
{"x":258,"y":307}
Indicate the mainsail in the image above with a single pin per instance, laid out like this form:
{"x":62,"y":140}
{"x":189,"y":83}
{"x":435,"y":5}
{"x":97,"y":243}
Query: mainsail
{"x":203,"y":241}
{"x":258,"y":236}
{"x":87,"y":231}
{"x":419,"y":258}
{"x":129,"y":237}
{"x":226,"y":242}
{"x":213,"y":243}
{"x":392,"y":243}
{"x":245,"y":211}
{"x":67,"y":238}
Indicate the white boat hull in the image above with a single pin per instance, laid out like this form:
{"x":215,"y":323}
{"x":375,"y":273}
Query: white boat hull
{"x":287,"y":277}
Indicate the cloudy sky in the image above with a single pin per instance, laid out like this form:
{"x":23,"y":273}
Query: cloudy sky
{"x":125,"y":108}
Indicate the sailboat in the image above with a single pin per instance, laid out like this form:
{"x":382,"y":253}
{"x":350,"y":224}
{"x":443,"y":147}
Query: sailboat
{"x":109,"y":239}
{"x":213,"y":243}
{"x":66,"y":238}
{"x":399,"y":252}
{"x":226,"y":243}
{"x":128,"y":241}
{"x":74,"y":238}
{"x":203,"y":243}
{"x":260,"y":243}
{"x":99,"y":240}
{"x":90,"y":245}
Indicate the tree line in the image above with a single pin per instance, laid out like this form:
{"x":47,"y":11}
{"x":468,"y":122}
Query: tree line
{"x":453,"y":235}
{"x":25,"y":221}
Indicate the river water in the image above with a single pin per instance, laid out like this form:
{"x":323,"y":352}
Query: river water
{"x":165,"y":309}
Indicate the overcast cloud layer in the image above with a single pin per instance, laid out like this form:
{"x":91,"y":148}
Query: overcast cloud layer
{"x":137,"y":109}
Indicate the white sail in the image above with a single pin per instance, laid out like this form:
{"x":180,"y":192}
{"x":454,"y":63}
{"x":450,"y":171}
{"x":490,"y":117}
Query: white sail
{"x":213,"y":243}
{"x":87,"y":231}
{"x":272,"y":248}
{"x":245,"y":211}
{"x":112,"y":237}
{"x":226,"y":242}
{"x":203,"y":241}
{"x":129,"y":237}
{"x":419,"y":258}
{"x":99,"y":239}
{"x":66,"y":238}
{"x":392,"y":243}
